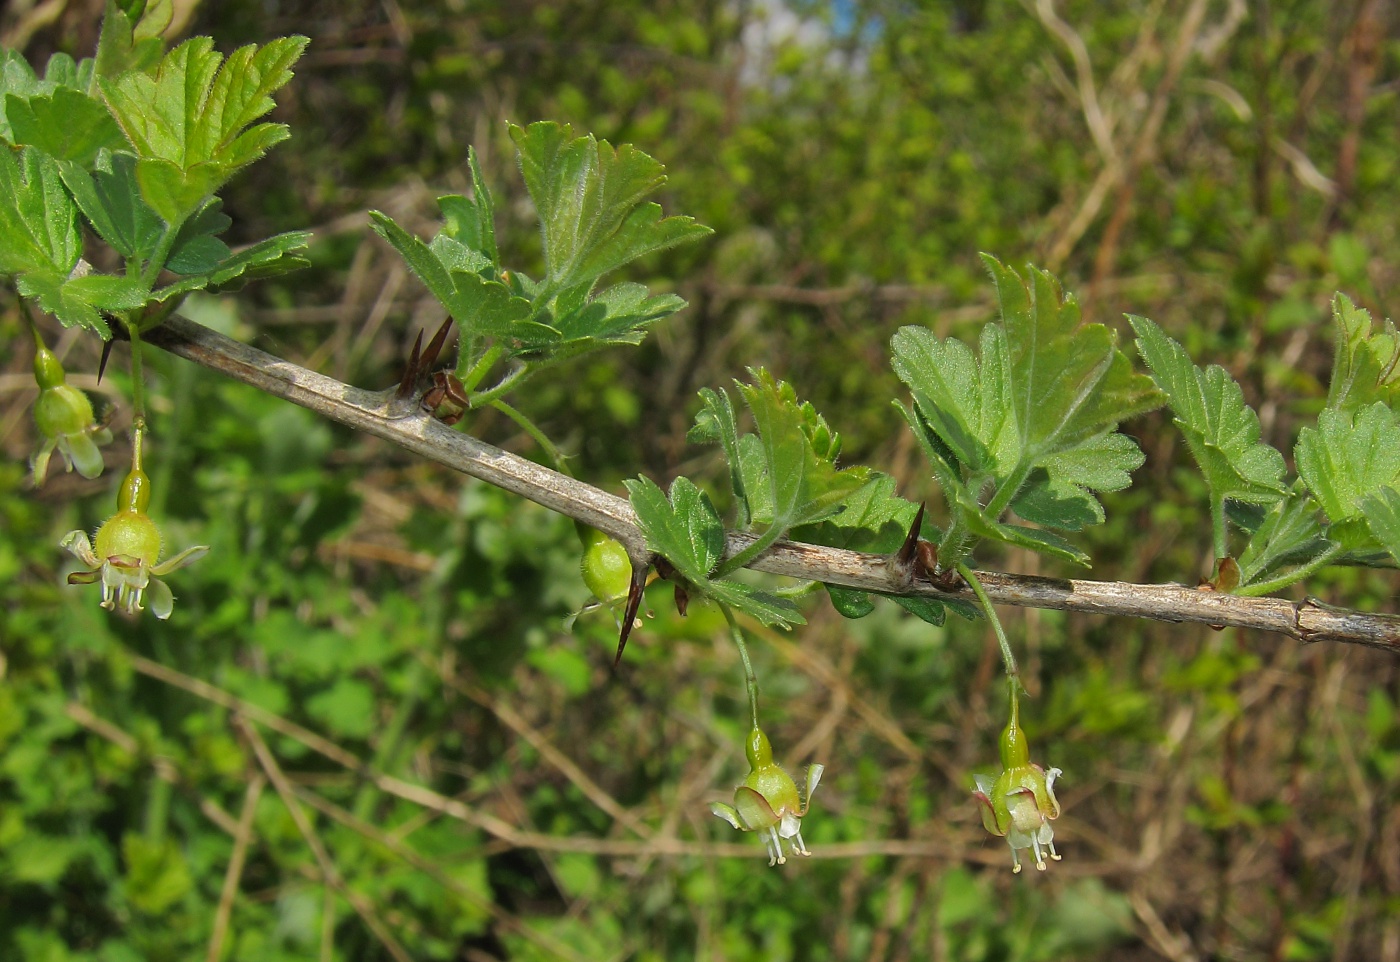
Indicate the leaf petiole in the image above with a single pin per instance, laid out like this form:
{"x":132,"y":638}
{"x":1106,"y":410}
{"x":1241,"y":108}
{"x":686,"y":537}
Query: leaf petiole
{"x":1292,"y":577}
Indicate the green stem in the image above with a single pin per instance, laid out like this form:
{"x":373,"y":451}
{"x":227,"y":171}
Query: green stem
{"x":1008,"y":659}
{"x":750,"y":679}
{"x":1294,"y":576}
{"x":138,"y":378}
{"x":484,"y":364}
{"x":491,"y":394}
{"x":161,"y":254}
{"x":1006,"y":492}
{"x":538,"y":436}
{"x":764,"y":542}
{"x":1218,"y":530}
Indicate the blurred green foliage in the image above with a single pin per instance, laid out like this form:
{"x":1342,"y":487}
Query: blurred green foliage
{"x":1236,"y":791}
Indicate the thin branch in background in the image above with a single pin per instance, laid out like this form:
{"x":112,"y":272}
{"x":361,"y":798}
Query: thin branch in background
{"x":329,"y":872}
{"x":1146,"y":143}
{"x":428,"y":867}
{"x":236,"y":861}
{"x":163,"y":767}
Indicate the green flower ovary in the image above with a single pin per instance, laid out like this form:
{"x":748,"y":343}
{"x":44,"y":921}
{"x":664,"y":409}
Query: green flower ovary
{"x":129,"y":534}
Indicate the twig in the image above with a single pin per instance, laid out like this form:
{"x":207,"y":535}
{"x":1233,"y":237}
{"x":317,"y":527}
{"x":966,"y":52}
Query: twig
{"x":329,"y":872}
{"x":428,"y":867}
{"x":551,"y":754}
{"x":401,"y":423}
{"x":235,"y":866}
{"x":165,"y":770}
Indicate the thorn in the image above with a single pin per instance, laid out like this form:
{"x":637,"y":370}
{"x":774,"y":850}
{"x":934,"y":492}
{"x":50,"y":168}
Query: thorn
{"x":430,"y":355}
{"x":911,"y":542}
{"x":102,"y":364}
{"x":629,"y":616}
{"x":410,"y":373}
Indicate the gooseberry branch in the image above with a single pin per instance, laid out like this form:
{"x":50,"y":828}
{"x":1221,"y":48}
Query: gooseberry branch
{"x":401,"y":422}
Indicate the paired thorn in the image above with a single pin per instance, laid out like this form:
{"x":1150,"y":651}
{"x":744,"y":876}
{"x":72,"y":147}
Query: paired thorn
{"x":917,"y":556}
{"x":419,"y":359}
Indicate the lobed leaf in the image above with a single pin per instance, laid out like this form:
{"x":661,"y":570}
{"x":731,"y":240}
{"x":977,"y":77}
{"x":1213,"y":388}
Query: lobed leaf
{"x":589,"y":198}
{"x":38,"y":220}
{"x":1221,"y":430}
{"x":1364,"y":367}
{"x":81,"y":301}
{"x":784,"y":480}
{"x":1028,"y":423}
{"x":480,"y":306}
{"x":686,"y":530}
{"x":186,"y":119}
{"x":1382,"y":512}
{"x":1347,"y":458}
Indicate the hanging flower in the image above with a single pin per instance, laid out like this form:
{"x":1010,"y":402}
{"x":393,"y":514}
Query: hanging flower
{"x":125,"y":553}
{"x":1019,"y":803}
{"x":63,"y":415}
{"x":768,"y":802}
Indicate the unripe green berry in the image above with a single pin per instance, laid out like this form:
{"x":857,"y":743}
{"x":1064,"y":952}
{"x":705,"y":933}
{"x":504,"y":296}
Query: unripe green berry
{"x":606,"y":569}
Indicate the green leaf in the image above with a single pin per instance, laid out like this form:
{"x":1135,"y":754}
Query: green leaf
{"x":186,"y":118}
{"x":686,"y":530}
{"x":618,"y":315}
{"x":472,"y":221}
{"x":38,"y":221}
{"x":67,"y":125}
{"x":124,"y":46}
{"x":1289,"y":533}
{"x":1058,"y":494}
{"x":80,"y":300}
{"x":279,"y":254}
{"x":110,"y":199}
{"x":715,"y":422}
{"x":589,"y":198}
{"x":480,"y":307}
{"x":1364,"y":367}
{"x":196,"y":249}
{"x":1220,"y":429}
{"x":787,"y":481}
{"x":1382,"y":512}
{"x":1068,"y":381}
{"x":1028,"y":422}
{"x":1349,"y":456}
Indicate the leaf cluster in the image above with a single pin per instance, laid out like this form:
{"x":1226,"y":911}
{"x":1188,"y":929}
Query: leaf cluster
{"x":1341,"y":507}
{"x":594,"y":218}
{"x":783,"y":477}
{"x":1027,"y":423}
{"x":134,"y":144}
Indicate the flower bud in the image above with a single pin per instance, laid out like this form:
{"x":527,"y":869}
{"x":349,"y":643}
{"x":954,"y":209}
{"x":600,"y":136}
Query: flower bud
{"x":63,"y":415}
